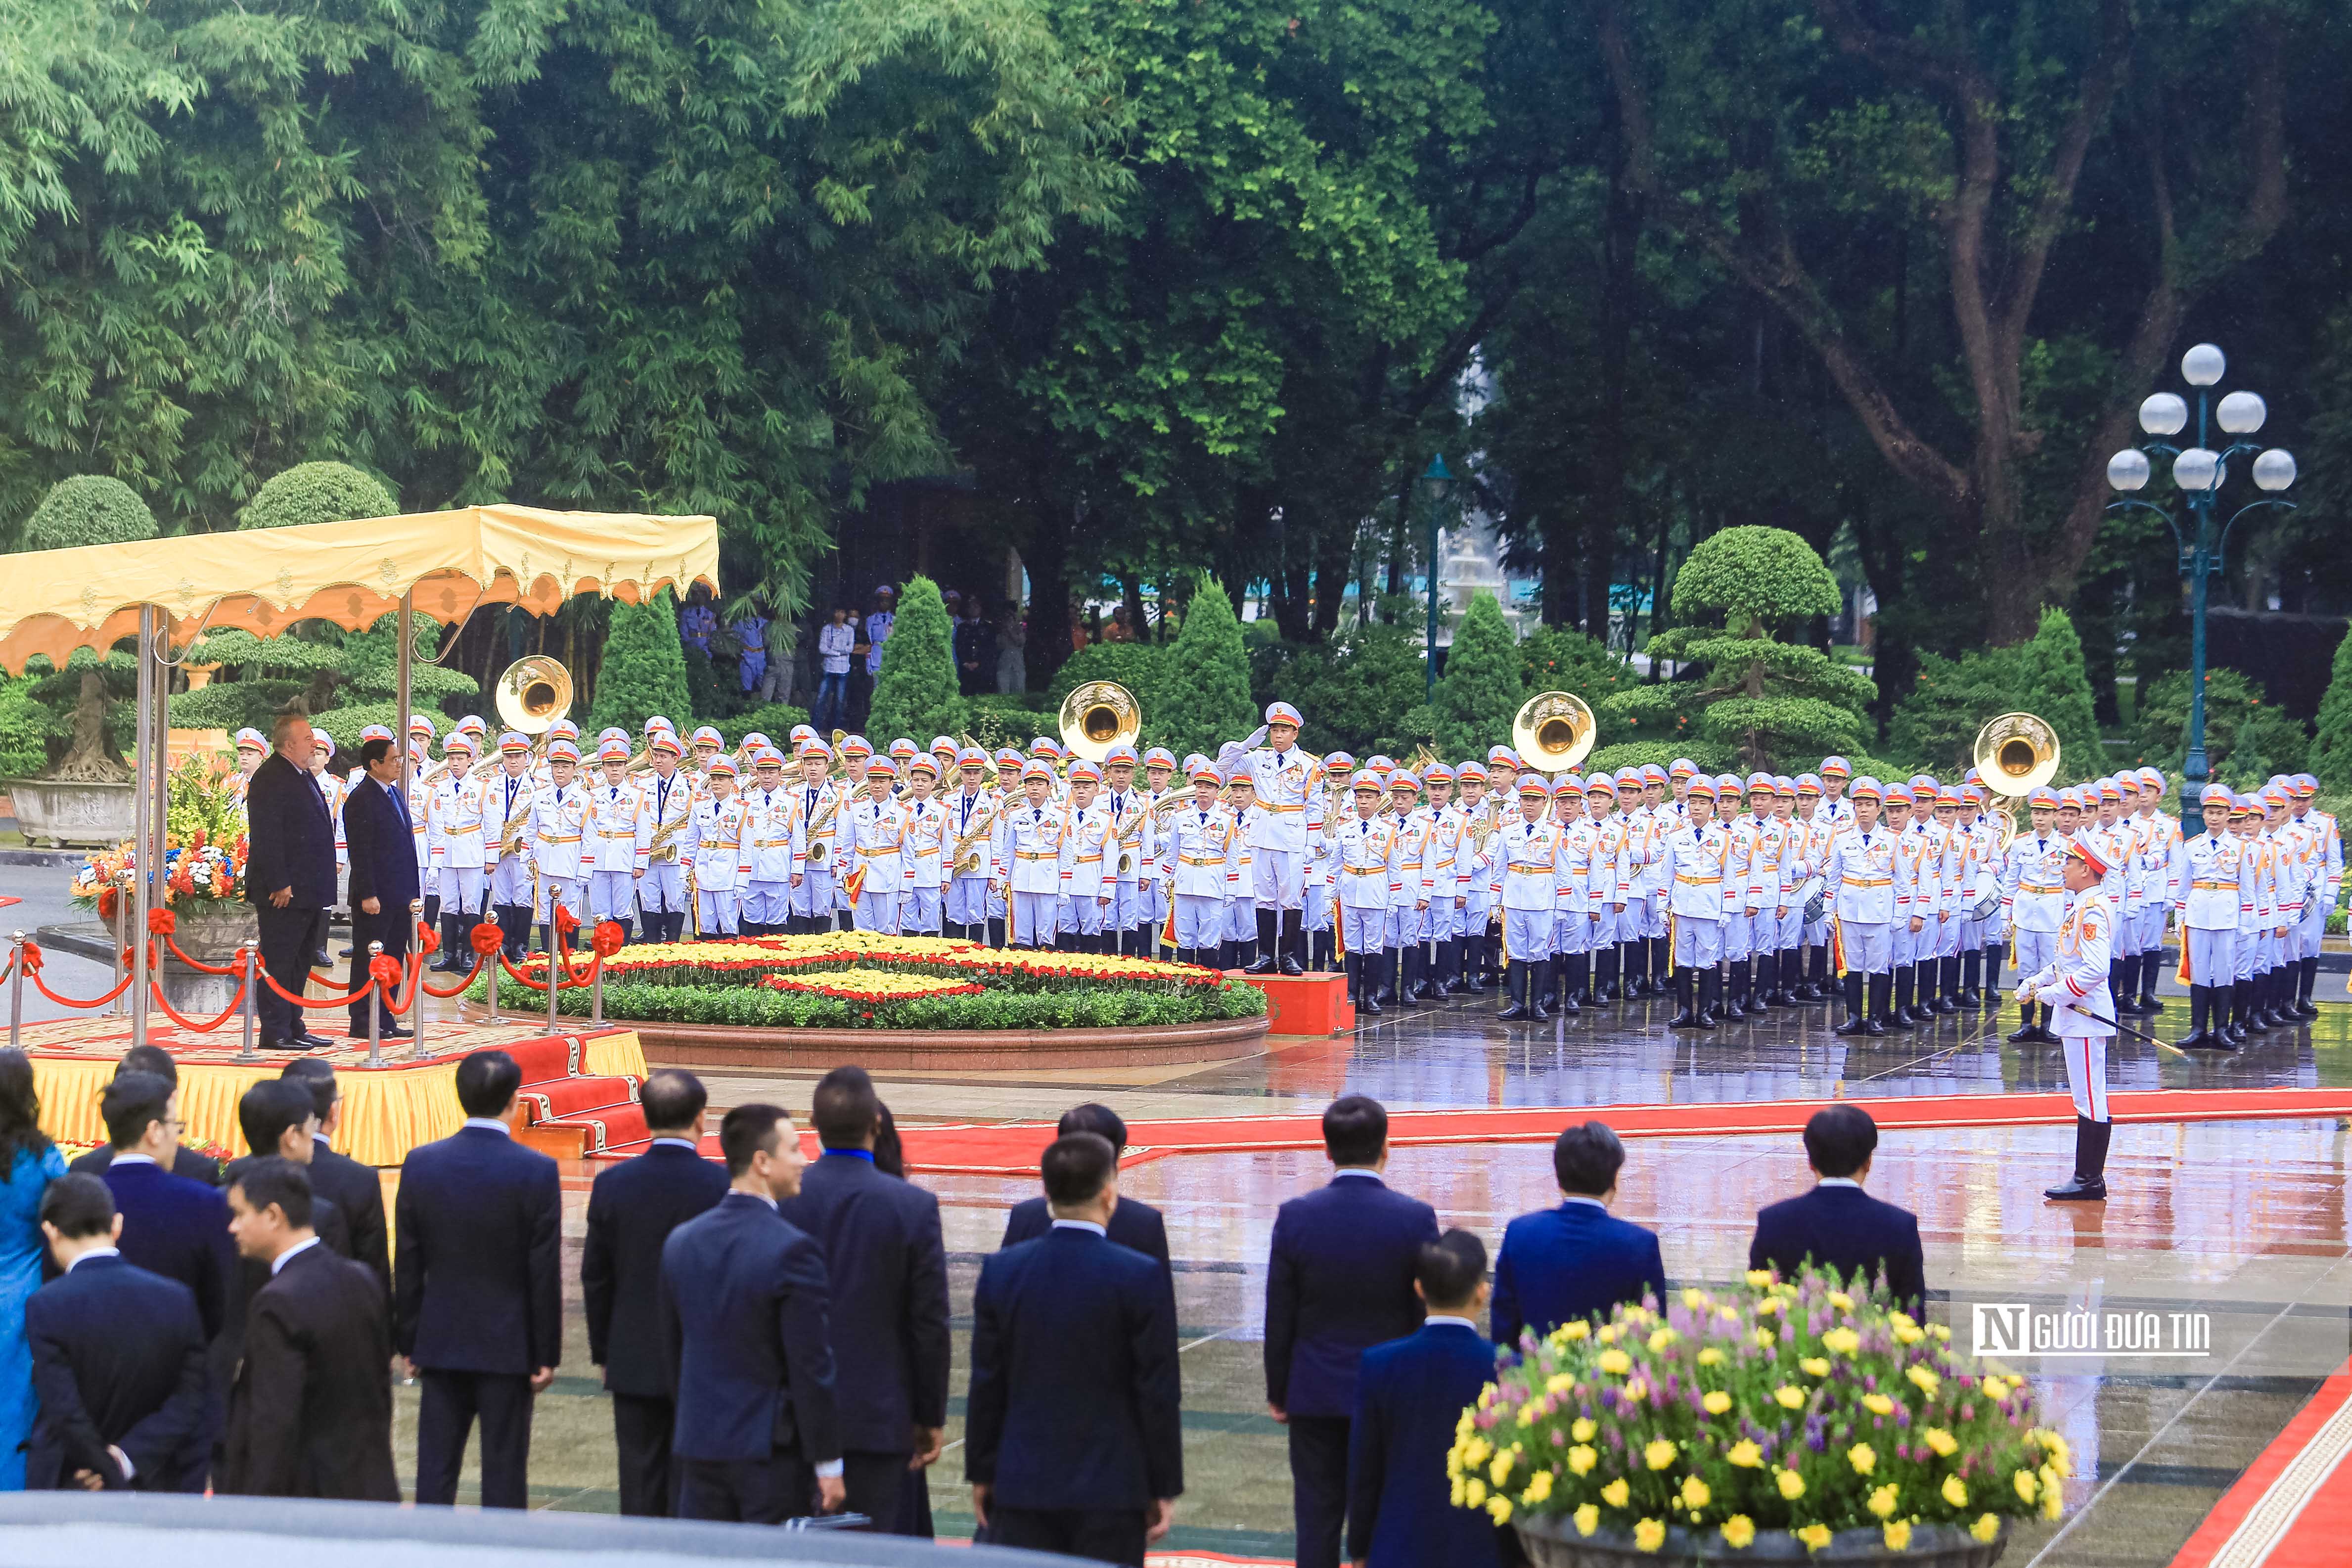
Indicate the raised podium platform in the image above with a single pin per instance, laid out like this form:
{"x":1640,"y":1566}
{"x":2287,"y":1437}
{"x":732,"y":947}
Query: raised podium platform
{"x":1310,"y":1006}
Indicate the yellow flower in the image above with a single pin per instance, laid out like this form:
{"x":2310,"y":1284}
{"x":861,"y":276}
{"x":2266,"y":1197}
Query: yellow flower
{"x":1739,"y":1532}
{"x":1637,"y":1391}
{"x":1864,"y":1459}
{"x":1843,"y":1340}
{"x":1759,"y":1278}
{"x":2050,"y":1477}
{"x":1716,"y":1402}
{"x":1661,"y":1453}
{"x":1956,"y":1491}
{"x":1768,"y":1305}
{"x":1745,"y":1454}
{"x":1458,"y":1497}
{"x":1840,"y":1300}
{"x":1815,"y":1366}
{"x":1710,"y":1356}
{"x":2028,"y":1488}
{"x":1663,"y":1338}
{"x":1498,"y":1507}
{"x":1790,"y":1397}
{"x":1941,"y":1331}
{"x":1766,"y":1339}
{"x":1727,"y":1312}
{"x":1898,"y":1535}
{"x":1902,"y":1319}
{"x":1588,"y":1519}
{"x":1791,"y":1484}
{"x":1581,"y":1459}
{"x":1909,"y":1334}
{"x":2054,"y":1447}
{"x":1500,"y":1470}
{"x":1605,"y":1334}
{"x":2053,"y":1503}
{"x":1650,"y":1534}
{"x":1476,"y":1454}
{"x":1926,"y":1380}
{"x":1473,"y":1492}
{"x":1576,"y":1330}
{"x":1943,"y":1442}
{"x":1882,"y":1501}
{"x":1694,"y":1298}
{"x":1878,"y":1404}
{"x":1815,"y":1536}
{"x":1615,"y":1493}
{"x":1995,"y":1389}
{"x":1985,"y":1527}
{"x":1616,"y":1363}
{"x":1528,"y":1413}
{"x":1559,"y":1383}
{"x":1582,"y":1429}
{"x":1696,"y":1494}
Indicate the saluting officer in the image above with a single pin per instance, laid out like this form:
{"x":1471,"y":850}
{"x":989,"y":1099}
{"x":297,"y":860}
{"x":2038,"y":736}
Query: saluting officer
{"x":1289,"y":787}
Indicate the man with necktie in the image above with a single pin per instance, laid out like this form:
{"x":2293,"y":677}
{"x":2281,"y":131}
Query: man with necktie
{"x":384,"y":877}
{"x":289,"y":877}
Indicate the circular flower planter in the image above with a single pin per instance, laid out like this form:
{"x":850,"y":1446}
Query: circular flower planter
{"x":944,"y":1051}
{"x":1555,"y":1543}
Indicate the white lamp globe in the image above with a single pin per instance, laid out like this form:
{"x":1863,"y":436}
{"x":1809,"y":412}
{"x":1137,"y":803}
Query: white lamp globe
{"x":2202,"y":365}
{"x":2197,"y":469}
{"x":2241,"y":412}
{"x":2164,"y":414}
{"x":2274,"y":469}
{"x":2127,"y":470}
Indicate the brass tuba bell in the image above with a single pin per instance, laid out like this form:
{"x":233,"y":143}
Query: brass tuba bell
{"x":2015,"y":755}
{"x":1098,"y":715}
{"x":533,"y":693}
{"x":1553,"y":731}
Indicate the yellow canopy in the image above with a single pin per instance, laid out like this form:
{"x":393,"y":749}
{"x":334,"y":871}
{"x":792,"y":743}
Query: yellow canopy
{"x":261,"y":581}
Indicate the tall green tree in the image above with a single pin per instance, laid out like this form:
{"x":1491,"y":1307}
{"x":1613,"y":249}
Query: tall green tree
{"x":1207,"y":677}
{"x":1481,"y":688}
{"x":916,"y":694}
{"x":644,"y":669}
{"x":88,"y":509}
{"x":2331,"y":748}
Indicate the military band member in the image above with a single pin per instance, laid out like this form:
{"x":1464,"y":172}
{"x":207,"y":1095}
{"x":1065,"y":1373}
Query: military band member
{"x":506,"y":843}
{"x":1197,"y":848}
{"x":2033,"y":899}
{"x":1443,"y":929}
{"x":1319,"y":913}
{"x":662,"y":897}
{"x":1126,"y":921}
{"x":252,"y":749}
{"x":559,"y":827}
{"x":778,"y":852}
{"x":2212,"y":889}
{"x":1981,"y":935}
{"x":542,"y":773}
{"x":618,"y":838}
{"x":1698,"y":896}
{"x":819,"y":803}
{"x":1241,"y":907}
{"x":1586,"y":883}
{"x":1010,"y":794}
{"x":453,"y":844}
{"x":1815,"y":832}
{"x":1162,"y":793}
{"x":1527,"y":853}
{"x":708,"y":746}
{"x":970,"y":843}
{"x":924,"y":856}
{"x":1287,"y":787}
{"x":1474,"y":867}
{"x":2074,"y":986}
{"x":2327,"y":877}
{"x":1033,"y":861}
{"x":1089,"y":892}
{"x":1861,"y":869}
{"x":871,"y":848}
{"x":2281,"y":913}
{"x":421,"y":731}
{"x":1759,"y":976}
{"x":1836,"y":806}
{"x":1401,"y":956}
{"x":714,"y":849}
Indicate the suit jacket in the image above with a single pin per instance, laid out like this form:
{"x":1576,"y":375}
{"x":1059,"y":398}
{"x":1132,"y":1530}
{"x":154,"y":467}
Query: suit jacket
{"x":1410,"y":1393}
{"x":888,"y":1319}
{"x":1075,"y":1396}
{"x":250,"y":1274}
{"x":632,"y":1209}
{"x":186,"y":1162}
{"x":178,"y":1229}
{"x":311,"y":1412}
{"x":1132,"y":1224}
{"x":475,"y":1286}
{"x":1574,"y":1261}
{"x":1845,"y":1229}
{"x":289,"y":837}
{"x":118,"y":1359}
{"x":382,"y":849}
{"x":1339,"y":1280}
{"x":358,"y":1191}
{"x":743,"y":1307}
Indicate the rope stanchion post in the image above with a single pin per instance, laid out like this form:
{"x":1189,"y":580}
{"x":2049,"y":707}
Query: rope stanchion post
{"x":416,"y":1012}
{"x":493,"y":983}
{"x":554,"y":978}
{"x":375,"y":1009}
{"x":16,"y":987}
{"x":248,"y":959}
{"x":121,"y":913}
{"x":596,"y":992}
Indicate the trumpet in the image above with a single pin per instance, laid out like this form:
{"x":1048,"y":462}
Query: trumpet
{"x":1553,"y":731}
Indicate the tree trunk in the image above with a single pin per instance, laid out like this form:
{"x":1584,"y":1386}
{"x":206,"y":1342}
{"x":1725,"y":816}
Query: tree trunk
{"x":1620,"y":234}
{"x":89,"y":759}
{"x":1047,"y":558}
{"x":1335,"y":560}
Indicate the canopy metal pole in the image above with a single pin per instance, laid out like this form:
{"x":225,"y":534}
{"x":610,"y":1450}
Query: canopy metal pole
{"x":407,"y":649}
{"x":146,"y":884}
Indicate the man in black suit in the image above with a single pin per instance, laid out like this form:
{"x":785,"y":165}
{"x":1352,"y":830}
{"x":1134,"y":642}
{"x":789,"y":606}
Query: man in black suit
{"x":277,"y":1118}
{"x":477,"y":1301}
{"x":382,"y":847}
{"x":171,"y":1225}
{"x":1073,"y":1428}
{"x":1837,"y":1225}
{"x":1339,"y":1278}
{"x":118,"y":1359}
{"x":632,"y":1209}
{"x":743,"y":1308}
{"x":1134,"y":1223}
{"x":290,"y":877}
{"x":356,"y":1189}
{"x":888,"y":1268}
{"x":311,"y":1412}
{"x":186,"y":1162}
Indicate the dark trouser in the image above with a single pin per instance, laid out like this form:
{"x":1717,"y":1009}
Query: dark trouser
{"x":1319,"y":1487}
{"x":1098,"y":1534}
{"x":641,"y":1429}
{"x":876,"y":1487}
{"x":746,"y":1491}
{"x":288,"y":940}
{"x":445,"y":1413}
{"x":393,"y":928}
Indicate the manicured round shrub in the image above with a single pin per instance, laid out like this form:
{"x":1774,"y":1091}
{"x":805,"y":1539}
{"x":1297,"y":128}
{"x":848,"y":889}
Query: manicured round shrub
{"x":317,"y":493}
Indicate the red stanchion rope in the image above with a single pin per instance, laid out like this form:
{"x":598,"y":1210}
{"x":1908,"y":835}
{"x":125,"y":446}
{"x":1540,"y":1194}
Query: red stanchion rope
{"x":227,"y":1013}
{"x":344,"y":1000}
{"x":33,"y":970}
{"x":163,"y":923}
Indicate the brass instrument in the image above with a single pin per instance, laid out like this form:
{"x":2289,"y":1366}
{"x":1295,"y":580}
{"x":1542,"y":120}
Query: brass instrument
{"x":1098,"y":716}
{"x":533,"y":694}
{"x":1553,"y":731}
{"x":2015,"y":754}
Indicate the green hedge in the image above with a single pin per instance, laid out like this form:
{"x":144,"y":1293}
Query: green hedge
{"x":1009,"y":1002}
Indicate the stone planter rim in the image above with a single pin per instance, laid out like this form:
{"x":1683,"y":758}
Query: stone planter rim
{"x":1929,"y":1543}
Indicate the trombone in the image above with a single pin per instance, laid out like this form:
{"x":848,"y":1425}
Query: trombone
{"x":1553,"y":731}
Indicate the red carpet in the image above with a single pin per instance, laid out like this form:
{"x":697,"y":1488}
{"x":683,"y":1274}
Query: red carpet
{"x":2293,"y":1505}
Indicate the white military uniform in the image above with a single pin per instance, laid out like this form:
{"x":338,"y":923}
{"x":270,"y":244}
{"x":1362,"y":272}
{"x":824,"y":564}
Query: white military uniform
{"x":774,"y":851}
{"x":618,"y":836}
{"x":714,"y":849}
{"x":559,"y":823}
{"x":927,"y":824}
{"x":970,"y":852}
{"x":2075,"y":986}
{"x":669,"y":809}
{"x":873,"y":841}
{"x":1032,"y":855}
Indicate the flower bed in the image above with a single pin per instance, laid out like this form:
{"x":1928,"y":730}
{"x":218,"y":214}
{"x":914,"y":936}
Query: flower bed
{"x":1794,"y":1407}
{"x":852,"y":980}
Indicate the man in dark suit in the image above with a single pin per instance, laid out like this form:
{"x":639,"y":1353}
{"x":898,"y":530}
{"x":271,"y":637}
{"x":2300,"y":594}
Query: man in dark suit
{"x":311,"y":1412}
{"x":118,"y":1359}
{"x":277,"y":1118}
{"x":1410,"y":1393}
{"x":632,"y":1209}
{"x":1837,"y":1225}
{"x":354,"y":1189}
{"x":290,"y":877}
{"x":171,"y":1225}
{"x":1339,"y":1280}
{"x":477,"y":1301}
{"x":1134,"y":1223}
{"x":888,"y":1268}
{"x":186,"y":1162}
{"x":743,"y":1308}
{"x":382,"y":847}
{"x":1577,"y":1260}
{"x":1073,"y":1428}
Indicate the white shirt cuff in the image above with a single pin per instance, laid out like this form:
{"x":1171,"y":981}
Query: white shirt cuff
{"x":827,"y":1471}
{"x":129,"y":1469}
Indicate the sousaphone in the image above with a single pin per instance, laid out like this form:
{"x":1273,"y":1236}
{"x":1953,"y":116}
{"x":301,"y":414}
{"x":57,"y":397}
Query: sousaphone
{"x":533,"y":694}
{"x":1553,"y":731}
{"x":2015,"y":755}
{"x":1098,"y":715}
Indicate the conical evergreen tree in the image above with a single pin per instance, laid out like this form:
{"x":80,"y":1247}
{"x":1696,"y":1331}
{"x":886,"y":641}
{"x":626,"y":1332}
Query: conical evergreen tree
{"x":1207,"y":678}
{"x":2055,"y":684}
{"x":643,"y":670}
{"x":1481,"y":688}
{"x":2331,"y":751}
{"x":916,"y":694}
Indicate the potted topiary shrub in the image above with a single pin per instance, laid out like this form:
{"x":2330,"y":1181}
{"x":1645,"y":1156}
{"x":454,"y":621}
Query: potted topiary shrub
{"x":1790,"y":1421}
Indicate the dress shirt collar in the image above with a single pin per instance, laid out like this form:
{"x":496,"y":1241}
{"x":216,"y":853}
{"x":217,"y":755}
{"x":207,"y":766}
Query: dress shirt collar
{"x":1839,"y":1181}
{"x":1087,"y":1225}
{"x":687,"y":1144}
{"x":769,"y":1203}
{"x":277,"y":1264}
{"x":490,"y":1124}
{"x":1447,"y":1319}
{"x":1568,"y":1198}
{"x":1365,"y":1172}
{"x":94,"y":1252}
{"x":121,"y":1160}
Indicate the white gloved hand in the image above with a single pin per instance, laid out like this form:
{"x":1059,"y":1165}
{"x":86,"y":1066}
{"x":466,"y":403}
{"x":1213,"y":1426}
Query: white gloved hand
{"x":2057,"y":995}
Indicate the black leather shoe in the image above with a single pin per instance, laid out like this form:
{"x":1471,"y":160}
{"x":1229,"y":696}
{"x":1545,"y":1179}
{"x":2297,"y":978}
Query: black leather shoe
{"x":2074,"y":1189}
{"x":307,"y":1041}
{"x":1853,"y":1025}
{"x":1263,"y":966}
{"x":279,"y":1045}
{"x":1290,"y":966}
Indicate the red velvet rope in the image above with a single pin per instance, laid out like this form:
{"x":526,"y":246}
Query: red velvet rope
{"x":199,"y":966}
{"x":464,"y":980}
{"x":227,"y":1013}
{"x":33,"y":968}
{"x":343,"y":1000}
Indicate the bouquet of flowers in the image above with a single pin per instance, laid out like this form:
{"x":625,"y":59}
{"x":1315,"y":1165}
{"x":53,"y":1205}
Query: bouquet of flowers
{"x":204,"y":844}
{"x":1802,"y":1406}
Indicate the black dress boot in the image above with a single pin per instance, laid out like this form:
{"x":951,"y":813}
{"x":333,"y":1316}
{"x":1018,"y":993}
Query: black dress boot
{"x":2150,"y":965}
{"x":2024,"y":1034}
{"x":1994,"y":954}
{"x":1264,"y":962}
{"x":1634,"y":966}
{"x":1821,"y":983}
{"x":2088,"y":1184}
{"x":1685,"y":1013}
{"x":1407,"y":961}
{"x":1764,"y":968}
{"x":2201,"y":1035}
{"x":1368,"y":982}
{"x":1710,"y":992}
{"x":1947,"y":986}
{"x":1474,"y":960}
{"x":1852,"y":988}
{"x":1539,"y":987}
{"x":2306,"y":976}
{"x":1293,"y":923}
{"x":1604,"y":965}
{"x":1568,"y":971}
{"x":1971,"y":965}
{"x":1882,"y":988}
{"x":1792,"y":977}
{"x":1514,"y":1004}
{"x":1898,"y":986}
{"x":2257,"y":1021}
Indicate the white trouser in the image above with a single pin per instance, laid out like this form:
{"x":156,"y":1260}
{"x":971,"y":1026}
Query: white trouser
{"x":663,"y":889}
{"x":2212,"y":956}
{"x":1698,"y":943}
{"x":612,"y":894}
{"x":2033,"y":951}
{"x":878,"y":911}
{"x":1033,"y":919}
{"x":714,"y":913}
{"x":768,"y":902}
{"x":1281,"y":877}
{"x":460,"y":887}
{"x":1527,"y":934}
{"x":1364,"y":928}
{"x":2086,"y":1074}
{"x":1200,"y":920}
{"x":810,"y":899}
{"x":1868,"y":948}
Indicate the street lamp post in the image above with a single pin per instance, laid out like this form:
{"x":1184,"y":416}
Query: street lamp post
{"x":1437,"y":476}
{"x":2199,"y":472}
